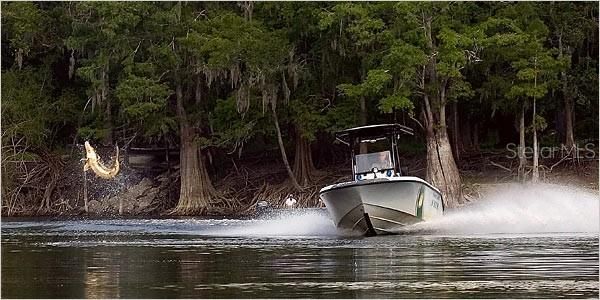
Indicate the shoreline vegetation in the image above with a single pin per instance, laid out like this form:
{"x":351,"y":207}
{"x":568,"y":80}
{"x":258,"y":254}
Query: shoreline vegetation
{"x":145,"y":193}
{"x":239,"y":101}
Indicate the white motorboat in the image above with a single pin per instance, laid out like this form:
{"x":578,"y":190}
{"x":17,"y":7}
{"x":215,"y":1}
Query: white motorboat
{"x":379,"y":199}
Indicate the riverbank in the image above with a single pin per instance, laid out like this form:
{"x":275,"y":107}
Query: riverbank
{"x":154,"y":192}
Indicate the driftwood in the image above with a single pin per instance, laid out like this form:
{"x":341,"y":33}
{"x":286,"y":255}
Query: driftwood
{"x":500,"y":166}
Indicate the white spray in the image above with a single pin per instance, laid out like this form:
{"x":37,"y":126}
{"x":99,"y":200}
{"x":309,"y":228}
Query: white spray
{"x":517,"y":208}
{"x":299,"y":222}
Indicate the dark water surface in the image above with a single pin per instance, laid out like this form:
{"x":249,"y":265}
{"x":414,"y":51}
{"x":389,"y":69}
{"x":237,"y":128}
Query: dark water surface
{"x":285,"y":257}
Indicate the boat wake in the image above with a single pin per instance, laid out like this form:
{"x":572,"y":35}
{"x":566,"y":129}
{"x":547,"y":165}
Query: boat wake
{"x":303,"y":223}
{"x":517,"y":208}
{"x":297,"y":222}
{"x":512,"y":209}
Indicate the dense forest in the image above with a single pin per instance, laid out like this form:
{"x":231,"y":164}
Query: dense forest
{"x":240,"y":87}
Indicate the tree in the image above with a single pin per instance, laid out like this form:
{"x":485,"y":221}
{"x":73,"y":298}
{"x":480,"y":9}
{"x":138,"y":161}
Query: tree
{"x":216,"y":76}
{"x":443,"y":44}
{"x":314,"y":85}
{"x":102,"y":37}
{"x":178,"y":32}
{"x":522,"y":68}
{"x":536,"y":69}
{"x":36,"y":112}
{"x":208,"y":51}
{"x":356,"y":31}
{"x":24,"y":22}
{"x":503,"y":45}
{"x":570,"y":26}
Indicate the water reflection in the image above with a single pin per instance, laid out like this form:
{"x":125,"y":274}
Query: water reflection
{"x":44,"y":263}
{"x":101,"y":274}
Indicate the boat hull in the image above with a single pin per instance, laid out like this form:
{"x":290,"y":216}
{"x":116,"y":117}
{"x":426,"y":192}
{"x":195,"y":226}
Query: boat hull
{"x":382,"y":205}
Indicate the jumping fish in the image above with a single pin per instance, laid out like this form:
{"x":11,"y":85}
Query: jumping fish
{"x":92,"y":162}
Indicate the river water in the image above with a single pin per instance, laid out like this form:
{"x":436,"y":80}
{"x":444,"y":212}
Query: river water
{"x":469,"y":253}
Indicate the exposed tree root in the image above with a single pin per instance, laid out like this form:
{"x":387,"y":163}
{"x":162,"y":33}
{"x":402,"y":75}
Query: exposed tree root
{"x":276,"y":194}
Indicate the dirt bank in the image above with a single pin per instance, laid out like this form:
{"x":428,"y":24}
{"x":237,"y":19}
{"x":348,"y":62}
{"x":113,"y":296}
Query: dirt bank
{"x":154,"y":192}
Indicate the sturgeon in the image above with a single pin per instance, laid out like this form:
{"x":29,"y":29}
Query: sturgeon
{"x":92,"y":162}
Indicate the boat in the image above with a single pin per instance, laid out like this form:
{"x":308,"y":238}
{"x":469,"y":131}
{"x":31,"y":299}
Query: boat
{"x":379,"y":199}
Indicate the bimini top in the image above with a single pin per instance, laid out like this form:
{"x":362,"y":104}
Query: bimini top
{"x":372,"y":131}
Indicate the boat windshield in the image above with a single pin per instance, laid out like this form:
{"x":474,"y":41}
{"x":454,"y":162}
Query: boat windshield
{"x":380,"y":160}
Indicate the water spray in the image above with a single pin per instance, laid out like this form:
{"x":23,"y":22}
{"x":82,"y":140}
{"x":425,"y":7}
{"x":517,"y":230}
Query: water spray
{"x":521,"y":208}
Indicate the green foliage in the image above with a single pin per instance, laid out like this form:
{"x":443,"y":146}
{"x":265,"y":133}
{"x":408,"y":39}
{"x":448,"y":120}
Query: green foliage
{"x":307,"y":117}
{"x":28,"y":108}
{"x":25,"y":105}
{"x":540,"y":124}
{"x":311,"y":62}
{"x":141,"y":96}
{"x":94,"y":132}
{"x":535,"y":73}
{"x":111,"y":71}
{"x":403,"y":60}
{"x":342,"y":115}
{"x":352,"y":25}
{"x":231,"y":131}
{"x":372,"y":86}
{"x":398,"y":101}
{"x":24,"y":22}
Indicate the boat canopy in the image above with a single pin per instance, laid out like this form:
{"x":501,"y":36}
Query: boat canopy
{"x":374,"y":132}
{"x":384,"y":161}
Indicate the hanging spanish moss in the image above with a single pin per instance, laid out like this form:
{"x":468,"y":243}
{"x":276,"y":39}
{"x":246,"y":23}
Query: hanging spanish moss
{"x":19,"y":58}
{"x":293,"y":68}
{"x":213,"y":74}
{"x":235,"y":75}
{"x":307,"y":67}
{"x":286,"y":90}
{"x":242,"y":97}
{"x":72,"y":64}
{"x":247,"y":7}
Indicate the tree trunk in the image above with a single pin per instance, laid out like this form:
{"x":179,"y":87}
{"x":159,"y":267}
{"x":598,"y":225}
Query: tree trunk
{"x":363,"y":121}
{"x":167,"y":152}
{"x":455,"y":132}
{"x":85,"y":193}
{"x":196,"y":189}
{"x":54,"y":164}
{"x":303,"y":162}
{"x":467,"y":140}
{"x":535,"y":173}
{"x":45,"y":205}
{"x":442,"y":171}
{"x":521,"y":150}
{"x":476,"y":137}
{"x":108,"y":138}
{"x":569,"y":136}
{"x":282,"y":148}
{"x":441,"y":168}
